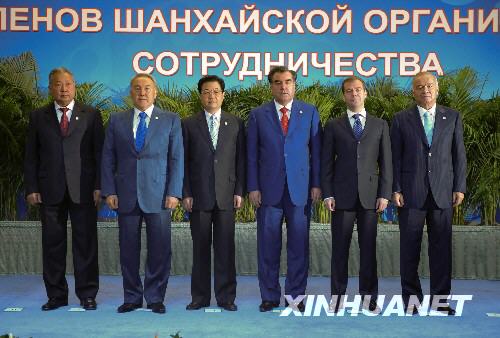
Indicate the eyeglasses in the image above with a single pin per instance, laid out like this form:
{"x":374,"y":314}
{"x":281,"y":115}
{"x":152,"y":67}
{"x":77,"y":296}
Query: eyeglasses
{"x":208,"y":92}
{"x":428,"y":86}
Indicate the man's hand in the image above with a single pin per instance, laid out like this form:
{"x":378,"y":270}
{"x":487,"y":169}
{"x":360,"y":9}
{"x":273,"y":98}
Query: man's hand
{"x":97,"y":197}
{"x":329,"y":203}
{"x":34,"y":198}
{"x":112,"y":202}
{"x":381,"y":204}
{"x":237,"y":201}
{"x":458,"y":197}
{"x":171,"y":202}
{"x":398,"y":200}
{"x":255,"y":198}
{"x":315,"y":194}
{"x":187,"y":204}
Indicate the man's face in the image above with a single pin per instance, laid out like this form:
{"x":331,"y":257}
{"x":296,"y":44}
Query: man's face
{"x":211,"y":96}
{"x":283,"y":87}
{"x":425,"y":90}
{"x":355,"y":95}
{"x":143,"y":93}
{"x":62,"y":88}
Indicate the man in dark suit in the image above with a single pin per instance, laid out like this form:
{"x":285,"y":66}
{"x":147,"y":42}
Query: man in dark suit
{"x":142,"y":170}
{"x":356,"y":180}
{"x":61,"y":174}
{"x":429,"y":180}
{"x":283,"y":152}
{"x":214,"y":180}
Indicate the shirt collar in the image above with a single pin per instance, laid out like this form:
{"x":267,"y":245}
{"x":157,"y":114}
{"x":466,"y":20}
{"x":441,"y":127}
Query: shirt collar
{"x":217,"y":114}
{"x":148,"y":111}
{"x":279,"y":106}
{"x":70,"y":106}
{"x":351,"y":113}
{"x":431,"y":111}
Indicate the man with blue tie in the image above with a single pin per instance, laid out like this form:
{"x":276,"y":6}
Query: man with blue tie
{"x":356,"y":180}
{"x":429,"y":180}
{"x":283,"y":152}
{"x":142,"y":173}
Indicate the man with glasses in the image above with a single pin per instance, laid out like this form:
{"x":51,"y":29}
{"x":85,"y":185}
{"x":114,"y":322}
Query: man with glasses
{"x":214,"y":181}
{"x":429,"y":180}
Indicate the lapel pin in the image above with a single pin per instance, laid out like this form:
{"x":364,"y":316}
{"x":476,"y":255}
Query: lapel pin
{"x":76,"y":118}
{"x":444,"y":117}
{"x":156,"y":117}
{"x":300,"y":112}
{"x":225,"y":123}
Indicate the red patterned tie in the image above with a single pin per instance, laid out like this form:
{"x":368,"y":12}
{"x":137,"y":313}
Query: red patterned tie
{"x":284,"y":120}
{"x":64,"y":121}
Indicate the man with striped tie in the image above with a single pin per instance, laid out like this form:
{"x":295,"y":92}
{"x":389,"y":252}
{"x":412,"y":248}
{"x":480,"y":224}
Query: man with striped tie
{"x":429,"y":180}
{"x":142,"y":171}
{"x":356,"y":180}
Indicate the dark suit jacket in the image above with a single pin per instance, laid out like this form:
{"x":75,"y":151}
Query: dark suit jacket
{"x":418,"y":168}
{"x":50,"y":158}
{"x":149,"y":176}
{"x":213,"y":176}
{"x":350,"y":168}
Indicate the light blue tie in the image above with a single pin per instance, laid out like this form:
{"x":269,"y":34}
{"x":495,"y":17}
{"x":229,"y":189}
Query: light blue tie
{"x":357,"y":127}
{"x":428,"y":128}
{"x":212,"y":128}
{"x":140,"y":134}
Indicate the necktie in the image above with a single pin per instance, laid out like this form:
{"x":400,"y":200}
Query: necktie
{"x":140,"y":134}
{"x":357,"y":127}
{"x":64,"y":124}
{"x":214,"y":132}
{"x":428,"y":127}
{"x":284,"y":120}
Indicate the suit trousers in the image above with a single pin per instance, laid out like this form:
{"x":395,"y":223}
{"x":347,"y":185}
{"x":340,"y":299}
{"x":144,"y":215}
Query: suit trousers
{"x":342,"y":228}
{"x":269,"y":222}
{"x":411,"y":224}
{"x":158,"y":258}
{"x":84,"y":248}
{"x":224,"y":262}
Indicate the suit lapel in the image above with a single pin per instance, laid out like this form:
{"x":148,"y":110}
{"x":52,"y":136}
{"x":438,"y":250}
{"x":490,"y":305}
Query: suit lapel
{"x":223,"y":128}
{"x":295,"y":116}
{"x":152,"y":126}
{"x":345,"y":123}
{"x":272,"y":116}
{"x":415,"y":116}
{"x":367,"y":127}
{"x":51,"y":118}
{"x":76,"y":118}
{"x":201,"y":121}
{"x":439,"y":123}
{"x":129,"y":128}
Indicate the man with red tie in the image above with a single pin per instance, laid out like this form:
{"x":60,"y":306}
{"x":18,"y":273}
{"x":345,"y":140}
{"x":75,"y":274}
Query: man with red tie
{"x":283,"y":152}
{"x":62,"y":176}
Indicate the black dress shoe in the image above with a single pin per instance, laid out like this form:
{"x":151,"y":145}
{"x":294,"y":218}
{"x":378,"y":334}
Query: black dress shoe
{"x":301,"y":307}
{"x":447,"y":310}
{"x":267,"y":306}
{"x":128,"y":307}
{"x":228,"y":306}
{"x":373,"y":307}
{"x":196,"y":306}
{"x":88,"y":303}
{"x":54,"y":303}
{"x":157,"y":307}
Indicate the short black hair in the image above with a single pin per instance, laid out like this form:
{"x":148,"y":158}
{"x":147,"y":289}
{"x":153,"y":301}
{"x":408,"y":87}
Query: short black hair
{"x":280,"y":69}
{"x":351,"y":79}
{"x":211,"y":78}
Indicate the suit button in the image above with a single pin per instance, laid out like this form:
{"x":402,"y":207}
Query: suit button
{"x":359,"y":156}
{"x":429,"y":171}
{"x":215,"y":161}
{"x":359,"y":142}
{"x":430,"y":154}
